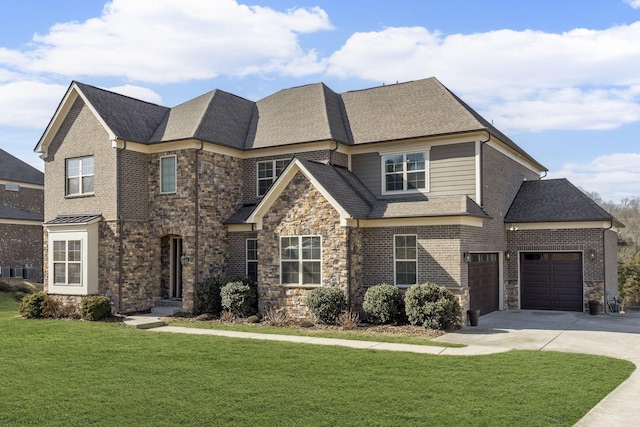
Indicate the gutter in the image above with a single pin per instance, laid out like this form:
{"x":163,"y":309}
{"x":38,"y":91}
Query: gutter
{"x":604,"y":265}
{"x":120,"y":226}
{"x":197,"y":214}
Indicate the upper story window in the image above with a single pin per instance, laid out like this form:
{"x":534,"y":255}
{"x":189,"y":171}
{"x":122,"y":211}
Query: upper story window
{"x":168,"y":174}
{"x":80,"y":176}
{"x":267,"y":172}
{"x":12,"y":187}
{"x":405,"y":172}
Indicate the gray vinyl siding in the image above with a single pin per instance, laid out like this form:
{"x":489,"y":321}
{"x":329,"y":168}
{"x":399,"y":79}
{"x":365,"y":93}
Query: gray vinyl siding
{"x":452,"y":171}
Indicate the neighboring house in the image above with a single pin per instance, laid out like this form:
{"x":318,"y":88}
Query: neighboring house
{"x":21,"y":216}
{"x":396,"y":184}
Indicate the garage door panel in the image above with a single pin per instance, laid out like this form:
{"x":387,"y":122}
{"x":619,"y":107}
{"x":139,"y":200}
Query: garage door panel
{"x":551,"y":281}
{"x":483,"y":282}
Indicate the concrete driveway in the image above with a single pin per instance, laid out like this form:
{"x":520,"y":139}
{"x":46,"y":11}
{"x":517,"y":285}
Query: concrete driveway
{"x":616,"y":335}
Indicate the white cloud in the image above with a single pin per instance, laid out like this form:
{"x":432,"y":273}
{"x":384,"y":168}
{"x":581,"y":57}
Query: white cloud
{"x":613,"y":177}
{"x":138,"y":92}
{"x":28,"y":104}
{"x":633,"y":3}
{"x":170,"y":41}
{"x":529,"y":79}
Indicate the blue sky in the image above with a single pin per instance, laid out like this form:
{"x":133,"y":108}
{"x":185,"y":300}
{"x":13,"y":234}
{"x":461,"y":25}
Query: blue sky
{"x":561,"y":78}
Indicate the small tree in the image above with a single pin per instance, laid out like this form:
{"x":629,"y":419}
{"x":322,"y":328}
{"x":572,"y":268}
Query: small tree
{"x":629,"y":282}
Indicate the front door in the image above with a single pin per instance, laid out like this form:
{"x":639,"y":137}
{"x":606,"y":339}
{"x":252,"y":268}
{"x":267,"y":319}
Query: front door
{"x":175,"y":289}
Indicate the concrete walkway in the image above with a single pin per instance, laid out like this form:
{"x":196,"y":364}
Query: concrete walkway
{"x":607,"y":335}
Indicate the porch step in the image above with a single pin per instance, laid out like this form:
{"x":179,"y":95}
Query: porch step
{"x":144,"y":321}
{"x":165,"y":310}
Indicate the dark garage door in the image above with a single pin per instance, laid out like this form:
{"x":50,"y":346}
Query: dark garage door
{"x":551,"y":281}
{"x":483,"y":282}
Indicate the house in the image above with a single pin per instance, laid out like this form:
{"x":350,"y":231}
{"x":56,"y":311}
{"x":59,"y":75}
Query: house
{"x":21,"y":216}
{"x":307,"y":187}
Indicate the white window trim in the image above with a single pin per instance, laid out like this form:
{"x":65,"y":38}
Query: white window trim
{"x":273,"y":163}
{"x":299,"y":284}
{"x":395,"y":261}
{"x":246,"y":252}
{"x":81,"y":193}
{"x":175,"y":174}
{"x":87,"y":234}
{"x":383,"y":172}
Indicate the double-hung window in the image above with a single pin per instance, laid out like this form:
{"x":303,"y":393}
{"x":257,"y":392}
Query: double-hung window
{"x":405,"y":172}
{"x":80,"y":176}
{"x":267,"y":172}
{"x":67,"y":262}
{"x":168,"y":173}
{"x":252,"y":258}
{"x":301,"y":260}
{"x":405,"y":256}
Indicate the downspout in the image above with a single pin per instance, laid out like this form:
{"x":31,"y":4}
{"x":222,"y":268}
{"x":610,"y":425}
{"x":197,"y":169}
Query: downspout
{"x":604,"y":265}
{"x":481,"y":201}
{"x":331,"y":153}
{"x":120,"y":226}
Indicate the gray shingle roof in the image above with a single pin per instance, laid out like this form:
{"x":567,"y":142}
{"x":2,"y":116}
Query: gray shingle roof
{"x":8,"y":212}
{"x":74,"y":219}
{"x":129,"y":118}
{"x":436,"y":206}
{"x":217,"y":117}
{"x":14,"y":169}
{"x":554,"y":200}
{"x":301,"y":114}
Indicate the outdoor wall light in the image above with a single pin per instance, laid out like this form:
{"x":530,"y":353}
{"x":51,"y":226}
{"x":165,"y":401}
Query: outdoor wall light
{"x":592,"y":254}
{"x":507,"y":255}
{"x":184,"y":259}
{"x":513,"y":227}
{"x":465,"y":256}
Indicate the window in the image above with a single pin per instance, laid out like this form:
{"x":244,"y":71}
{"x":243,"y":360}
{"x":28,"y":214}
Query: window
{"x":267,"y":173}
{"x":405,"y":172}
{"x":80,"y":176}
{"x":67,"y":262}
{"x":300,"y":260}
{"x":405,"y":255}
{"x":11,"y":187}
{"x":168,"y":174}
{"x":252,"y":258}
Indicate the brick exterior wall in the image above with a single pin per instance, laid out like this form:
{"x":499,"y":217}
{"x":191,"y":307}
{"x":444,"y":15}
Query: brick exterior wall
{"x":300,"y":210}
{"x":576,"y":240}
{"x":83,"y":136}
{"x":238,"y":252}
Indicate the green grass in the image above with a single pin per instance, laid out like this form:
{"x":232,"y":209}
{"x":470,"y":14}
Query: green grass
{"x":341,"y":334}
{"x":104,"y":374}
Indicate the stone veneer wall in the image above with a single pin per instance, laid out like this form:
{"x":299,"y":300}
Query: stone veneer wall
{"x":300,"y":210}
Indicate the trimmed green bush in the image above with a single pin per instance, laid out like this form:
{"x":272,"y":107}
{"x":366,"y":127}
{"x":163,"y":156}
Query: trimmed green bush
{"x":95,"y":308}
{"x":326,"y":304}
{"x":432,"y":306}
{"x":383,"y":304}
{"x":247,"y":281}
{"x":239,"y":299}
{"x":30,"y":306}
{"x":207,"y":297}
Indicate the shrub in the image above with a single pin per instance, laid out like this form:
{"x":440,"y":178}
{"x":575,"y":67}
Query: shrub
{"x":348,"y":320}
{"x":95,"y":308}
{"x":432,"y":306}
{"x":247,"y":281}
{"x":276,"y":317}
{"x":207,"y":297}
{"x":384,"y":304}
{"x":51,"y":308}
{"x":326,"y":304}
{"x":30,"y":306}
{"x":239,"y":299}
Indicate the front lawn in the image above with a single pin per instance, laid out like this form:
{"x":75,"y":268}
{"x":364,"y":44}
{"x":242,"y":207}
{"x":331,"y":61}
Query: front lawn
{"x":72,"y":373}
